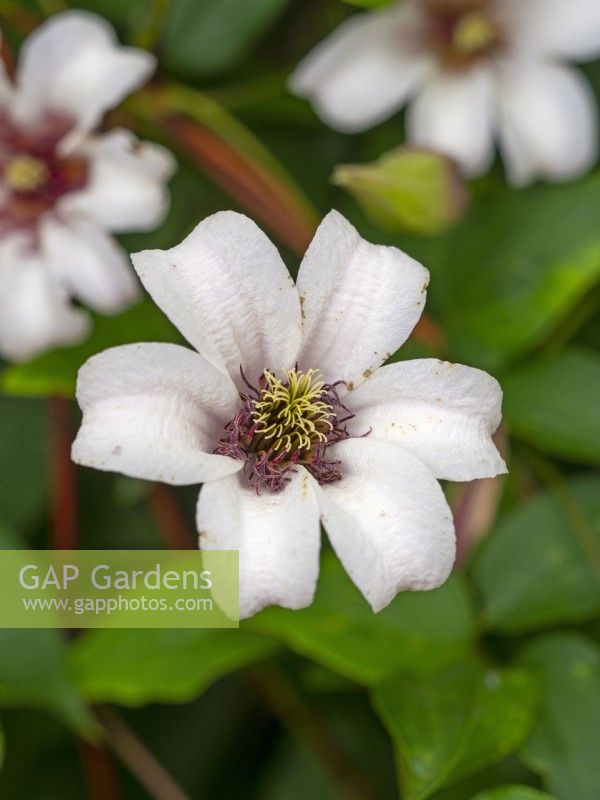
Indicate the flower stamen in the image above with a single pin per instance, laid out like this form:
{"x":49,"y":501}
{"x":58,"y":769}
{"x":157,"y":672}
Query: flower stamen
{"x":284,"y":423}
{"x":25,"y":173}
{"x":473,"y":33}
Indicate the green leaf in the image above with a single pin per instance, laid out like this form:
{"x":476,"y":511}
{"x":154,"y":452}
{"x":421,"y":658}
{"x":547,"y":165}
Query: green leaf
{"x":553,"y":404}
{"x":505,"y":277}
{"x":206,"y":38}
{"x":513,"y":793}
{"x":56,"y":372}
{"x":455,"y":723}
{"x":565,"y":744}
{"x":540,"y":565}
{"x":135,"y":667}
{"x":23,"y":460}
{"x":33,"y":672}
{"x":406,"y":189}
{"x":419,"y":631}
{"x":33,"y":668}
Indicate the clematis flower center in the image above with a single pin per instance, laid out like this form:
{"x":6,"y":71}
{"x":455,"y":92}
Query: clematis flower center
{"x":34,"y":174}
{"x":284,"y":423}
{"x":461,"y":32}
{"x":473,"y":33}
{"x":24,"y":173}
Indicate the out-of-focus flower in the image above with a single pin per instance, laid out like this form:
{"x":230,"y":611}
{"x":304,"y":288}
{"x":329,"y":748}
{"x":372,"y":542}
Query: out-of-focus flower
{"x":62,"y":188}
{"x":286,"y":414}
{"x":471,"y":70}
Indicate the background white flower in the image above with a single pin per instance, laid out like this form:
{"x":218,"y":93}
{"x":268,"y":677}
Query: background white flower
{"x":163,"y":412}
{"x":62,"y":188}
{"x":471,"y":70}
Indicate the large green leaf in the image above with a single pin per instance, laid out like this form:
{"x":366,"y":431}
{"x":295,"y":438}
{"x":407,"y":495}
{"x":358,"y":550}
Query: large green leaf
{"x":418,"y":632}
{"x":205,"y":38}
{"x":540,"y":565}
{"x":553,"y":404}
{"x":33,"y":672}
{"x":135,"y":667}
{"x":33,"y":668}
{"x":455,"y":723}
{"x":513,"y":793}
{"x":565,"y":744}
{"x":56,"y":372}
{"x":23,"y":460}
{"x":505,"y":277}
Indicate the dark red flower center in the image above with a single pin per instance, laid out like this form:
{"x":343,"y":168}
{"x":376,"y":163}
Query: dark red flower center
{"x":34,"y":174}
{"x":283,"y":424}
{"x":461,"y":31}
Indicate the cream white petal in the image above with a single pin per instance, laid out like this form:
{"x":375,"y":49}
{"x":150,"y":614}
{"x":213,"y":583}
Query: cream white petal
{"x":90,"y":264}
{"x":568,"y":29}
{"x":388,"y":521}
{"x":277,"y":535}
{"x":364,"y":71}
{"x":35,"y":312}
{"x":127,"y":184}
{"x":73,"y":64}
{"x":444,"y":414}
{"x":454,"y":114}
{"x":360,"y":301}
{"x":6,"y":84}
{"x":548,"y":122}
{"x":154,"y":411}
{"x":228,"y":291}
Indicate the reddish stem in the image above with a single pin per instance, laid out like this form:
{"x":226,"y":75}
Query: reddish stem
{"x":100,"y":772}
{"x":138,"y":759}
{"x":245,"y":181}
{"x":64,"y":498}
{"x":169,"y":519}
{"x":476,"y":507}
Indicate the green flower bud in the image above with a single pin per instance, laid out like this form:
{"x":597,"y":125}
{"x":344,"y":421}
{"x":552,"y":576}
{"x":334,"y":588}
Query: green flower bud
{"x":406,"y":190}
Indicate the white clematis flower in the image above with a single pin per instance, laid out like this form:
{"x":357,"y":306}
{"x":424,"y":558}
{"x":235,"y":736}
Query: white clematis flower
{"x":286,"y":414}
{"x":470,"y":70}
{"x":62,"y":189}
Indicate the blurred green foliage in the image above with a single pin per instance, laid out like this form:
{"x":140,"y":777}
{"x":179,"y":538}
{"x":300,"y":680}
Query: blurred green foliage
{"x":454,"y":723}
{"x":488,"y":688}
{"x":550,"y":547}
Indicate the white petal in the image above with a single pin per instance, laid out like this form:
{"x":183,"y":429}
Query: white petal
{"x":35,"y":312}
{"x":360,"y":301}
{"x":90,"y":264}
{"x":568,"y":29}
{"x":73,"y":64}
{"x":548,"y":124}
{"x":228,"y":291}
{"x":126,"y":189}
{"x":277,"y":535}
{"x":388,"y":521}
{"x":154,"y":411}
{"x":454,"y":115}
{"x":6,"y":84}
{"x":444,"y":414}
{"x":364,"y":71}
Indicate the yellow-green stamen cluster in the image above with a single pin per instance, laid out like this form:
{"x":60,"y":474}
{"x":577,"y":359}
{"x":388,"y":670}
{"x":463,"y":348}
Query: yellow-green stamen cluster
{"x":25,"y":173}
{"x":283,"y":424}
{"x":473,"y":33}
{"x":291,"y":414}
